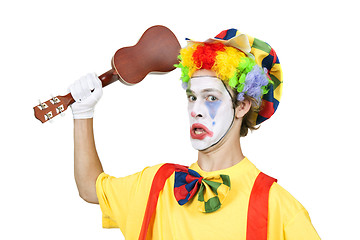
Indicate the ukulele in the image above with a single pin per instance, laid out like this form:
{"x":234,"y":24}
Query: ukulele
{"x":156,"y":51}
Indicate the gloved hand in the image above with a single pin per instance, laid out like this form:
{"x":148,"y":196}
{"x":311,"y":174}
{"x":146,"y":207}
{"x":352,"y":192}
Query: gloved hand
{"x":86,"y":91}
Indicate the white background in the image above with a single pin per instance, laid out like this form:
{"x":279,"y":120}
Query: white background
{"x":311,"y":144}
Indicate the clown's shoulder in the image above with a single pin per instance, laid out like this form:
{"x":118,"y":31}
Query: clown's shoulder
{"x":146,"y":175}
{"x":284,"y":209}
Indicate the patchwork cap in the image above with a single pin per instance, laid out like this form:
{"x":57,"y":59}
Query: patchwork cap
{"x":266,"y":57}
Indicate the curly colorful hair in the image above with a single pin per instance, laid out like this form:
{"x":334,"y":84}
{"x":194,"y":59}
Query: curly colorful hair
{"x":231,"y":65}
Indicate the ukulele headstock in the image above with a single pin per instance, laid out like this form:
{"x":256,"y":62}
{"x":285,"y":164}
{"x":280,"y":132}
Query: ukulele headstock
{"x":45,"y":111}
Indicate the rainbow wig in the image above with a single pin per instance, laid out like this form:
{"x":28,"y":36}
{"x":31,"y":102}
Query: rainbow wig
{"x":230,"y":64}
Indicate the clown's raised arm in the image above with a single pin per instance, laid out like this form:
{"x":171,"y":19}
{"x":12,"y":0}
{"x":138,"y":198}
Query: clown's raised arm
{"x":86,"y":91}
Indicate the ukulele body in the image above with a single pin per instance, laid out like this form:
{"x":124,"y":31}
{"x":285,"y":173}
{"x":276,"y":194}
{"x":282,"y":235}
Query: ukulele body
{"x":156,"y":51}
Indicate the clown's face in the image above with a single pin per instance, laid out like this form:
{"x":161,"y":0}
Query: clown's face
{"x":210,"y":110}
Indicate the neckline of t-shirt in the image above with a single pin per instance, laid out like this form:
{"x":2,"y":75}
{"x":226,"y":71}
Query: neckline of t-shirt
{"x":241,"y":165}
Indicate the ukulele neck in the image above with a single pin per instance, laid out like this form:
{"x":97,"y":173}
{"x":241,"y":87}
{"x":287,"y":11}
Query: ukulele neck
{"x":108,"y":77}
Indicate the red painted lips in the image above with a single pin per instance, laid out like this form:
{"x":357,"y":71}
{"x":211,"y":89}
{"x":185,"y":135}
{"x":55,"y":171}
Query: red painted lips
{"x":199,"y":131}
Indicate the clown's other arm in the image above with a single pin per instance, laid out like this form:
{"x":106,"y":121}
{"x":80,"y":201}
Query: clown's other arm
{"x":87,"y":166}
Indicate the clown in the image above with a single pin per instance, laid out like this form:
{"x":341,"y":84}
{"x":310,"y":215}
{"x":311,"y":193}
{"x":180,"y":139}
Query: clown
{"x":233,"y":82}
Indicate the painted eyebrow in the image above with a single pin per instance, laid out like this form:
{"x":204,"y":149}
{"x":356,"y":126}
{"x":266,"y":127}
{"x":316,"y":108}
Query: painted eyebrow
{"x":211,"y":90}
{"x":188,"y":91}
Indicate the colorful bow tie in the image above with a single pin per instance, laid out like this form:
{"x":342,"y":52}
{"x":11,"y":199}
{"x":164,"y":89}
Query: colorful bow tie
{"x":211,"y":190}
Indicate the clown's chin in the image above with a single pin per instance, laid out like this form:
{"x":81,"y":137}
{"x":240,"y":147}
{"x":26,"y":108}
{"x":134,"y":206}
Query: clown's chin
{"x":204,"y":144}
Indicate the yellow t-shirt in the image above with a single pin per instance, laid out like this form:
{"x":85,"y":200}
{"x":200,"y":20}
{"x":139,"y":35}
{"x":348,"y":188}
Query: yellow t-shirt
{"x":123,"y":202}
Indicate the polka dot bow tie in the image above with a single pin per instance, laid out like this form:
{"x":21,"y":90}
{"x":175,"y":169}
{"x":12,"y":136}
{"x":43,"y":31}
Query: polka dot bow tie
{"x":211,"y":190}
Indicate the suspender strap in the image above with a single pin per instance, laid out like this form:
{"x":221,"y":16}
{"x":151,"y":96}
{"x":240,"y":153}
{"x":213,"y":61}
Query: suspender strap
{"x":257,"y":221}
{"x":164,"y":172}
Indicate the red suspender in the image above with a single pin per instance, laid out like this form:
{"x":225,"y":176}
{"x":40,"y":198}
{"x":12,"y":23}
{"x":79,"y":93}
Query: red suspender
{"x":257,"y":221}
{"x":257,"y":212}
{"x":164,"y":172}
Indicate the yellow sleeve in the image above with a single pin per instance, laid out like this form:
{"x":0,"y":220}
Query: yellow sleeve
{"x":288,"y":219}
{"x":118,"y":195}
{"x":300,"y":227}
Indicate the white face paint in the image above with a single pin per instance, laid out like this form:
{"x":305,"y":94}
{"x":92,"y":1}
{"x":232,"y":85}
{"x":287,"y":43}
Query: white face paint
{"x":210,"y":110}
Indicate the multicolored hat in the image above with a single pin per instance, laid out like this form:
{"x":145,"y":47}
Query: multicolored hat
{"x":258,"y":74}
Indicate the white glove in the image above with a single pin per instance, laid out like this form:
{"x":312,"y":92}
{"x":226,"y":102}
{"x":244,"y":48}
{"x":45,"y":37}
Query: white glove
{"x":86,"y":92}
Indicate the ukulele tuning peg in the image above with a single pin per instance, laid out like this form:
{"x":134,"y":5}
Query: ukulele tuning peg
{"x":48,"y":116}
{"x":42,"y":105}
{"x":60,"y":110}
{"x":54,"y":100}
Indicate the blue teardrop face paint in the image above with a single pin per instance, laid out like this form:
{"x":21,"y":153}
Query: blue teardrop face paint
{"x":213,"y":107}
